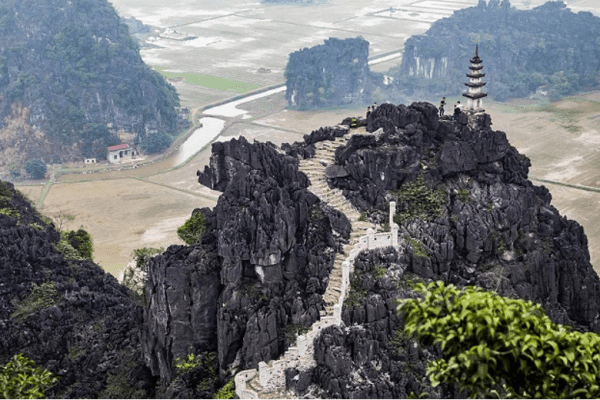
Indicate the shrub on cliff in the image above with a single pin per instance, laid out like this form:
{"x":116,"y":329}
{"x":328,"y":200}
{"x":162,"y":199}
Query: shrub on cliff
{"x":81,"y":241}
{"x":499,"y":347}
{"x":36,"y":168}
{"x":20,"y":378}
{"x":191,"y":231}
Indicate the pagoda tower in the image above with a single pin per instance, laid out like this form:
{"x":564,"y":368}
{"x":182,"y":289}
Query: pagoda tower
{"x":474,"y":94}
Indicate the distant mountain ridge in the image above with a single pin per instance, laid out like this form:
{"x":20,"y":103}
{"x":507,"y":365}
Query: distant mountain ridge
{"x":522,"y":50}
{"x":71,"y":78}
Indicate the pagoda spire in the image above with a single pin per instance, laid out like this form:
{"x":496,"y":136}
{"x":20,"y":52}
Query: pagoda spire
{"x":474,"y":94}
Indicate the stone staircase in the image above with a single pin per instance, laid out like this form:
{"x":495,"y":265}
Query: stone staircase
{"x":314,"y":168}
{"x":269,"y":380}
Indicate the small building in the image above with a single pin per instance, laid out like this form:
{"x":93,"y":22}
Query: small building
{"x":474,"y":94}
{"x":90,"y":161}
{"x":119,"y":153}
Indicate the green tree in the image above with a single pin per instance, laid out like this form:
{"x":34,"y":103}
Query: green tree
{"x":499,"y":347}
{"x":81,"y":241}
{"x":156,"y":142}
{"x":36,"y":168}
{"x":20,"y":378}
{"x":192,"y":230}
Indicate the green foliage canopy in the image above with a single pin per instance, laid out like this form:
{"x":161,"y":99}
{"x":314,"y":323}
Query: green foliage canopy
{"x":156,"y":142}
{"x":499,"y":347}
{"x":81,"y":241}
{"x":36,"y":168}
{"x":192,"y":230}
{"x":20,"y":378}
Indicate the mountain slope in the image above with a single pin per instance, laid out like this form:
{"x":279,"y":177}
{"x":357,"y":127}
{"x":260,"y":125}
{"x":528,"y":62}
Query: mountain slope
{"x":71,"y":78}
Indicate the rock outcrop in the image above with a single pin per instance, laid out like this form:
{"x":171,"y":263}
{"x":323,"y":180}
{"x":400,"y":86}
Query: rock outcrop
{"x":269,"y":247}
{"x":469,"y":216}
{"x":67,"y":315}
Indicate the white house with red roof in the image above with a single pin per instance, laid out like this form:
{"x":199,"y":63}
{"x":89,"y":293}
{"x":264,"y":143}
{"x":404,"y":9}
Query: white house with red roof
{"x":119,"y":153}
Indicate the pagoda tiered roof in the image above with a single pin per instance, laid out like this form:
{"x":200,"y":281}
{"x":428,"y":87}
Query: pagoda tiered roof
{"x":475,"y":96}
{"x":476,"y":75}
{"x":475,"y":67}
{"x":475,"y":84}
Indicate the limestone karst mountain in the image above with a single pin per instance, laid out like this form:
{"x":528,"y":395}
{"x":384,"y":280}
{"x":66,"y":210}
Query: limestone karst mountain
{"x":331,"y":74}
{"x":284,"y":254}
{"x":72,"y":80}
{"x":549,"y":47}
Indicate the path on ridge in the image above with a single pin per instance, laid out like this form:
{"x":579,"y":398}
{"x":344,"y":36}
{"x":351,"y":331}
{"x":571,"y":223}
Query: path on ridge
{"x":314,"y":168}
{"x":248,"y":383}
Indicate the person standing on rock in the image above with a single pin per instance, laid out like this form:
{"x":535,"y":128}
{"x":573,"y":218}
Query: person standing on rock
{"x":442,"y":105}
{"x":460,"y":106}
{"x":368,"y":111}
{"x":374,"y":106}
{"x":456,"y":112}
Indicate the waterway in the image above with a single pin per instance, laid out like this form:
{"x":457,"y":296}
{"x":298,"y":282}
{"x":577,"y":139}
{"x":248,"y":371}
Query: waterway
{"x":210,"y":129}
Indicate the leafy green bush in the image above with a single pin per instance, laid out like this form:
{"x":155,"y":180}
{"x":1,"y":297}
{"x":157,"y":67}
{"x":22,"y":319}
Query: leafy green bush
{"x":42,"y":296}
{"x":378,"y":271}
{"x":81,"y":241}
{"x":419,"y":201}
{"x":356,"y":294}
{"x":463,"y":195}
{"x":494,"y":346}
{"x":20,"y":378}
{"x":75,"y":245}
{"x":227,"y":391}
{"x":188,"y":363}
{"x":36,"y":168}
{"x":142,"y":256}
{"x":191,"y":231}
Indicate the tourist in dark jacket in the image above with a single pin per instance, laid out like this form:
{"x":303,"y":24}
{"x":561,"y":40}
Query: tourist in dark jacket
{"x":456,"y":112}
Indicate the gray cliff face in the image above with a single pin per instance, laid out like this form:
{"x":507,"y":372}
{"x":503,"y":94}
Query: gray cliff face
{"x":493,"y":229}
{"x":259,"y":273}
{"x":330,"y":74}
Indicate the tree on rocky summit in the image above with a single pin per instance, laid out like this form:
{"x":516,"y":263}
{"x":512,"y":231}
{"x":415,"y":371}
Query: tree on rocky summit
{"x":494,"y":346}
{"x":36,"y":168}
